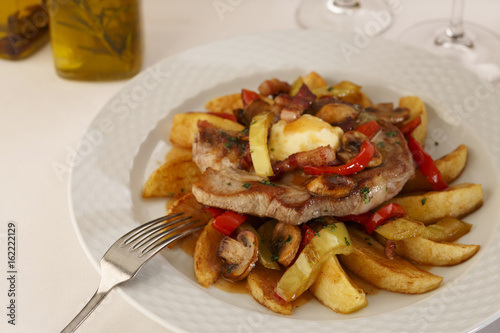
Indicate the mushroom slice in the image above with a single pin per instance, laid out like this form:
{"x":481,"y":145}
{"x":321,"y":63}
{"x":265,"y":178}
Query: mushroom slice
{"x":337,"y":113}
{"x":240,"y":255}
{"x":285,"y":242}
{"x":333,"y":185}
{"x":387,"y":112}
{"x":351,"y":144}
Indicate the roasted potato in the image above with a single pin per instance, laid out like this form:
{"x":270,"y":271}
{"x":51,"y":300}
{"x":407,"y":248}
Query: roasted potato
{"x":314,"y":81}
{"x":448,"y":229}
{"x":185,"y":126}
{"x":456,"y":201}
{"x":190,"y":207}
{"x":400,"y":228}
{"x":177,"y":151}
{"x":451,"y":167}
{"x":207,"y":265}
{"x":369,"y":262}
{"x":261,"y":283}
{"x":336,"y":290}
{"x":428,"y":252}
{"x":417,"y":109}
{"x":173,"y":179}
{"x":225,"y":104}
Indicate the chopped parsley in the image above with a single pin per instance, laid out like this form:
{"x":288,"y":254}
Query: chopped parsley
{"x":288,"y":239}
{"x":267,"y":182}
{"x":365,"y":191}
{"x":246,"y":185}
{"x":330,"y":88}
{"x":275,"y":257}
{"x":381,"y":144}
{"x":346,"y":241}
{"x":368,"y":240}
{"x":228,"y":184}
{"x":391,"y":133}
{"x":423,"y":201}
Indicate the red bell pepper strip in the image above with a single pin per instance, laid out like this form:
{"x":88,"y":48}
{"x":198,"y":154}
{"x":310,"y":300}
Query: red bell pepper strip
{"x":370,"y":221}
{"x":426,"y":165}
{"x":228,"y":221}
{"x":358,"y":163}
{"x":369,"y":129}
{"x":383,"y":214}
{"x":247,"y":96}
{"x":224,"y":115}
{"x":407,"y":129}
{"x":307,"y":234}
{"x":213,"y":211}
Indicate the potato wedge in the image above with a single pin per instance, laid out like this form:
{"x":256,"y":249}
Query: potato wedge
{"x":366,"y":102}
{"x":176,"y":152}
{"x":417,"y":108}
{"x":451,"y":167}
{"x":185,"y":126}
{"x":314,"y":81}
{"x":456,"y":201}
{"x":401,"y":228}
{"x":190,"y":207}
{"x":448,"y":229}
{"x":336,"y":290}
{"x":261,"y":283}
{"x":369,"y":262}
{"x":428,"y":252}
{"x":173,"y":179}
{"x":207,"y":265}
{"x":225,"y":104}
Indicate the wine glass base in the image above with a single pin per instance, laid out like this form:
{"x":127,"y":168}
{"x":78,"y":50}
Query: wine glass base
{"x":478,"y":49}
{"x":370,"y":17}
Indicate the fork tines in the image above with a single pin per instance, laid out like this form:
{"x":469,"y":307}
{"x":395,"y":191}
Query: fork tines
{"x":156,"y":234}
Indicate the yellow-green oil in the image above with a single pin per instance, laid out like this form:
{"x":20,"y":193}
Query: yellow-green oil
{"x":24,"y":27}
{"x":96,"y":39}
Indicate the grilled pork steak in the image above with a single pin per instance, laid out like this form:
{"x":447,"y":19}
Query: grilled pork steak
{"x":292,"y":203}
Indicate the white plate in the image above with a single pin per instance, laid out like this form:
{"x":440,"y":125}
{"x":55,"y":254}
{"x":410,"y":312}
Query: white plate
{"x":129,"y":138}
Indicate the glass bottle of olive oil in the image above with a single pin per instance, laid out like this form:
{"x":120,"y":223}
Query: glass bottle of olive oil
{"x":96,"y":39}
{"x":24,"y":27}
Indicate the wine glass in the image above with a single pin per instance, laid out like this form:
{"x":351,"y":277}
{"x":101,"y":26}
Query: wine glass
{"x":371,"y":16}
{"x":470,"y":44}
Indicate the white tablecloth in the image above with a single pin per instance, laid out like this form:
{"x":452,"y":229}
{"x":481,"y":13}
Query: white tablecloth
{"x":42,"y":118}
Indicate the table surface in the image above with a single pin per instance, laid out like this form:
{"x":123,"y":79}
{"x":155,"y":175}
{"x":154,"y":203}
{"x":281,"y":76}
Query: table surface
{"x":42,"y":118}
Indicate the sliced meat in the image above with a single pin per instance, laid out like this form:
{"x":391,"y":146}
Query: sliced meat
{"x":220,"y":149}
{"x":273,"y":87}
{"x":316,"y":157}
{"x":247,"y":193}
{"x":298,"y":104}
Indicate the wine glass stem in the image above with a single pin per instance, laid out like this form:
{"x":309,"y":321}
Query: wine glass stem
{"x":454,"y":35}
{"x":456,"y":26}
{"x":346,"y":3}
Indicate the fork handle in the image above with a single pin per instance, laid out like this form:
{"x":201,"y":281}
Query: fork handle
{"x":87,"y":310}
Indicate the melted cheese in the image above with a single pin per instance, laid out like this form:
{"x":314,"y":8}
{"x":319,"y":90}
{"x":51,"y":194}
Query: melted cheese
{"x":306,"y":133}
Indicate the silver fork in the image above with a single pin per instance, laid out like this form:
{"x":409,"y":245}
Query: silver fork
{"x":129,"y":254}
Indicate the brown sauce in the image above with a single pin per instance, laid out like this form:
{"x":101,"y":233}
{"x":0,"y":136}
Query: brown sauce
{"x":239,"y":287}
